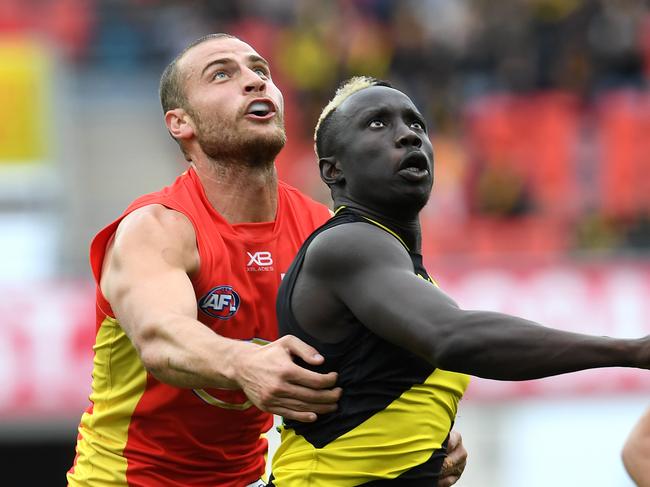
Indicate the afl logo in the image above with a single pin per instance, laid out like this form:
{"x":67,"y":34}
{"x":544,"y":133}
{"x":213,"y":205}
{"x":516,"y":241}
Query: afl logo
{"x":221,"y":302}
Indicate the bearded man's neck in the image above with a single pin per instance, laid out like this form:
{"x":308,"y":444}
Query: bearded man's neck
{"x":240,"y":192}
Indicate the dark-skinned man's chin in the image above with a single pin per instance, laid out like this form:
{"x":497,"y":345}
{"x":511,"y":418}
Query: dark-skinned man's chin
{"x":403,"y":207}
{"x":413,"y":203}
{"x":416,"y":206}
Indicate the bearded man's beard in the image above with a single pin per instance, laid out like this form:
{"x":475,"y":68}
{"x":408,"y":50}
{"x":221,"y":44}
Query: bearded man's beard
{"x":223,"y":142}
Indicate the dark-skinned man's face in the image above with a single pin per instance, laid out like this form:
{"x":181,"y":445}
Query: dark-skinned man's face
{"x":384,"y":151}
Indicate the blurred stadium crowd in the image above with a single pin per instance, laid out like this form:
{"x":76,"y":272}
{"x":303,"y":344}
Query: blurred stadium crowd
{"x":539,"y":110}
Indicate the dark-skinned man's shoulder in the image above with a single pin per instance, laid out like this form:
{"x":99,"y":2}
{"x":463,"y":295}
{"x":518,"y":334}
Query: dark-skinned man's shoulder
{"x":345,"y":248}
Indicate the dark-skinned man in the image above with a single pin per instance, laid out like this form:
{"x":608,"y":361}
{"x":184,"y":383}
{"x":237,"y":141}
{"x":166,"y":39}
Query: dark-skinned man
{"x":357,"y":291}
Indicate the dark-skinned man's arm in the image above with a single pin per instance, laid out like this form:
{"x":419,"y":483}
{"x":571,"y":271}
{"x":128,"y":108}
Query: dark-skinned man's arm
{"x":372,"y":275}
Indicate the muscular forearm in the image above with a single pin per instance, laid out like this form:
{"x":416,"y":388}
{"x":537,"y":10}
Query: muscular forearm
{"x":499,"y":346}
{"x":192,"y":356}
{"x":183,"y":352}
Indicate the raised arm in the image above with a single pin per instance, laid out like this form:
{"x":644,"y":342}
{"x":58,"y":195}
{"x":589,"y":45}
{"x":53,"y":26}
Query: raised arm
{"x":146,"y":279}
{"x":372,"y":275}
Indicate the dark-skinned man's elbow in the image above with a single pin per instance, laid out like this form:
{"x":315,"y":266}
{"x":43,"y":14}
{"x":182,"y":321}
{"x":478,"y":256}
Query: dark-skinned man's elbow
{"x":449,"y":345}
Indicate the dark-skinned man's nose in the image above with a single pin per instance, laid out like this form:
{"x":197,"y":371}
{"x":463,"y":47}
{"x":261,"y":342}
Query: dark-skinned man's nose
{"x":408,"y":138}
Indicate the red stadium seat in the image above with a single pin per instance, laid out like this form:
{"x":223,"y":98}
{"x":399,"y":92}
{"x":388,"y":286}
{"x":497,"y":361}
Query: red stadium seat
{"x":534,"y":136}
{"x":624,"y":125}
{"x":487,"y":238}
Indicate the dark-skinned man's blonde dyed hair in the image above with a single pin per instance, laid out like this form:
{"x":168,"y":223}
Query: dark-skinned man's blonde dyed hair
{"x":323,"y":140}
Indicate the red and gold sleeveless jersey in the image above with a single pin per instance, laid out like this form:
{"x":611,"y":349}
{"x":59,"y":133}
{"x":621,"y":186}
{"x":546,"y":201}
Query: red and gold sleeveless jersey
{"x":141,"y":432}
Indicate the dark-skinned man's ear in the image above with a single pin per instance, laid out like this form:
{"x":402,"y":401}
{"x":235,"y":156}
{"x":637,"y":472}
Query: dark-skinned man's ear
{"x":330,"y":171}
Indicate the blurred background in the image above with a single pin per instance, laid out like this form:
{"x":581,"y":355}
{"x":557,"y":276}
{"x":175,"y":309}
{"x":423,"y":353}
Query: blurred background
{"x":539,"y":113}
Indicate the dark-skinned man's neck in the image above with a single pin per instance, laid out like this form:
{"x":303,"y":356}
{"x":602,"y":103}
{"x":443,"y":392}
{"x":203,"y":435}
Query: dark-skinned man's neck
{"x":240,"y":192}
{"x":406,"y":224}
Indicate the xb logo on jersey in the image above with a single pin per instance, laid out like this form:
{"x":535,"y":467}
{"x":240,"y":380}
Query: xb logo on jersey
{"x":259,"y":261}
{"x":260,"y":258}
{"x":220,"y":302}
